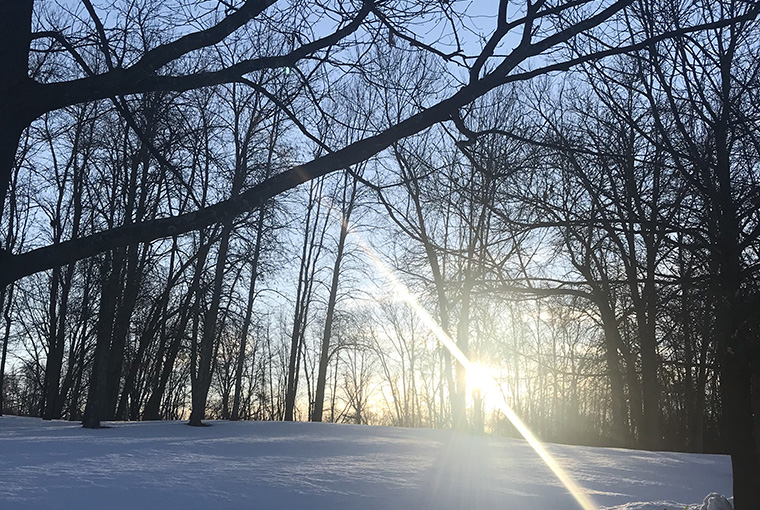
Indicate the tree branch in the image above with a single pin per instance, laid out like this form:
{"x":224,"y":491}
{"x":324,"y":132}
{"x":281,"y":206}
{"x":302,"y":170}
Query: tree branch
{"x":142,"y":77}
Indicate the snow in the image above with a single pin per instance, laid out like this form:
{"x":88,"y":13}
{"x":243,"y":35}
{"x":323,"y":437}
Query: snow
{"x":168,"y":465}
{"x":712,"y":501}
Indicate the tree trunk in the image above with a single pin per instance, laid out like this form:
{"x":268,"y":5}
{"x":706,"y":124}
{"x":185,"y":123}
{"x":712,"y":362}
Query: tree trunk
{"x":54,"y":354}
{"x":15,"y":37}
{"x":651,"y":434}
{"x":153,"y":326}
{"x":132,"y":273}
{"x":248,"y":315}
{"x":620,"y":428}
{"x":202,"y":380}
{"x":440,"y":284}
{"x":73,"y":379}
{"x":122,"y":320}
{"x":6,"y":298}
{"x":735,"y":343}
{"x":293,"y":362}
{"x":152,"y":409}
{"x":303,"y":294}
{"x":97,"y":394}
{"x":163,"y":372}
{"x":645,"y":302}
{"x":324,"y":356}
{"x":157,"y":323}
{"x":459,"y":413}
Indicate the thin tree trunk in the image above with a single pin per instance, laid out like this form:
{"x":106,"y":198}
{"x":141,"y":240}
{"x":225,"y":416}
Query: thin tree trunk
{"x":6,"y":299}
{"x":133,"y":275}
{"x":248,"y":315}
{"x":324,"y":356}
{"x":54,"y":354}
{"x":303,"y":295}
{"x":54,"y":396}
{"x":202,"y":380}
{"x":158,"y":315}
{"x":126,"y":305}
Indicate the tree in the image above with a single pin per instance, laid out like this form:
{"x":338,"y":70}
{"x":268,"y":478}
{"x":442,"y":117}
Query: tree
{"x":29,"y":92}
{"x":700,"y":92}
{"x":347,"y":204}
{"x":315,"y":229}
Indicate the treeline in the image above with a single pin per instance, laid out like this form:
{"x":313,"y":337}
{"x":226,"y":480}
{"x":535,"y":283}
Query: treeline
{"x":589,"y":235}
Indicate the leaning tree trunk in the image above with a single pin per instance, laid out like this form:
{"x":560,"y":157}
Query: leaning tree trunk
{"x":157,"y":315}
{"x":132,"y":280}
{"x":248,"y":315}
{"x":324,"y":356}
{"x":303,"y":295}
{"x":202,"y":380}
{"x":54,"y":364}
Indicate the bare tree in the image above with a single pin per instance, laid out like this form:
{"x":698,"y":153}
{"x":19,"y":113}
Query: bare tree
{"x":144,"y":74}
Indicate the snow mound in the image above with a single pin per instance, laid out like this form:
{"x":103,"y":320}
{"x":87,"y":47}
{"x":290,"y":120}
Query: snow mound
{"x":655,"y":505}
{"x":713,"y":501}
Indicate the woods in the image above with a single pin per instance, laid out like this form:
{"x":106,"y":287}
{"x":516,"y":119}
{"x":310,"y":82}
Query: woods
{"x":205,"y":204}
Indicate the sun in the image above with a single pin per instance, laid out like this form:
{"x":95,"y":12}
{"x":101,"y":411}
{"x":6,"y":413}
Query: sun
{"x":479,"y":379}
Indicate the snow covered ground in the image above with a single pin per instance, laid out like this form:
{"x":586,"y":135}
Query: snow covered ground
{"x":168,"y":465}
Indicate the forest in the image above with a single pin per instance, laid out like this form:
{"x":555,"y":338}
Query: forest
{"x":251,"y":210}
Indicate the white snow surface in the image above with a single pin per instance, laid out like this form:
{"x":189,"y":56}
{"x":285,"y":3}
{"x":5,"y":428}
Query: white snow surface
{"x":315,"y":466}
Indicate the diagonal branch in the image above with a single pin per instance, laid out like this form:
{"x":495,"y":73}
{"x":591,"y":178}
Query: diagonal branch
{"x":18,"y":266}
{"x":142,"y":77}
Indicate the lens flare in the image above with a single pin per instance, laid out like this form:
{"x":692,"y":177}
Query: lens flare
{"x":485,"y":379}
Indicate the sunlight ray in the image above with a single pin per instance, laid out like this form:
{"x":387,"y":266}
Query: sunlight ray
{"x":402,"y":292}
